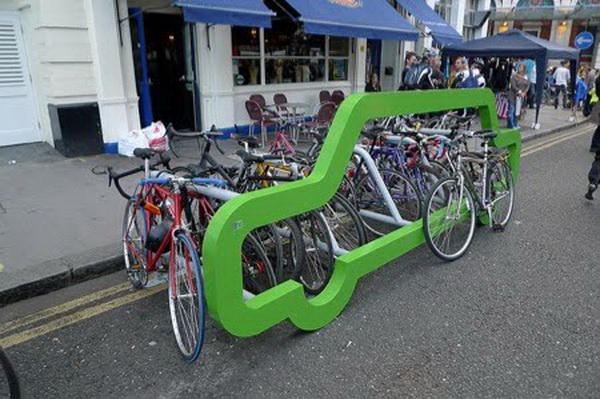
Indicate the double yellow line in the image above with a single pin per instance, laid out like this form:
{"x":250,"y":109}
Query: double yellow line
{"x":70,"y":318}
{"x":550,"y":142}
{"x":27,"y":328}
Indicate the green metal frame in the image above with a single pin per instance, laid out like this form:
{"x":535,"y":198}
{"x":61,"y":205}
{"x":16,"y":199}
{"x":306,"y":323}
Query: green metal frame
{"x":235,"y":219}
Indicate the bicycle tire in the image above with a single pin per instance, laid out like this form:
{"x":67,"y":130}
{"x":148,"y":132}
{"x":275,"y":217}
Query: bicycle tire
{"x":345,"y":223}
{"x":443,"y":194}
{"x":318,"y":265}
{"x":499,"y":173}
{"x":258,"y":272}
{"x":368,"y":197}
{"x":135,"y":264}
{"x":191,"y":347}
{"x":12,"y":379}
{"x":425,"y":177}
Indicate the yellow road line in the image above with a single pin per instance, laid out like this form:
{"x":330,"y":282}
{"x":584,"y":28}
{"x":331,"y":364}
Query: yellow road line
{"x":62,"y":308}
{"x":550,"y":143}
{"x":76,"y":317}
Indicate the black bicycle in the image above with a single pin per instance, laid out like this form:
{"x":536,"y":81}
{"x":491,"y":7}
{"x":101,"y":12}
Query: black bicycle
{"x":9,"y":382}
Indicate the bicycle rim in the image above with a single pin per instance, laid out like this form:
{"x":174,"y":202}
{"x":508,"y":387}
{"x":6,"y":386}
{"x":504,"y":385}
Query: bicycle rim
{"x":134,"y":240}
{"x":501,"y":193}
{"x":186,"y":298}
{"x":345,"y":223}
{"x":318,"y":263}
{"x":449,"y":221}
{"x":258,"y":271}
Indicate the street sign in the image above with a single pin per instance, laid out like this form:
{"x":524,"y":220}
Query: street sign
{"x":584,"y":40}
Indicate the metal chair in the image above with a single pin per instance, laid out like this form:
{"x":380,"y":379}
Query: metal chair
{"x":337,"y":97}
{"x":323,"y":118}
{"x":259,"y":118}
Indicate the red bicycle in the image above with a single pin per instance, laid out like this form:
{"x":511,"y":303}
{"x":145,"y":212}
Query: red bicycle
{"x":157,"y":237}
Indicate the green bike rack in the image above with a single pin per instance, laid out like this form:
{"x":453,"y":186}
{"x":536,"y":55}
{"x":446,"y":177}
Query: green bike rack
{"x":238,"y":217}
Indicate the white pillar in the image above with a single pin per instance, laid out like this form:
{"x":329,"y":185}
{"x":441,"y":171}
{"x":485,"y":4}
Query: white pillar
{"x":215,"y":70}
{"x":360,"y":66}
{"x":389,"y":58}
{"x":561,"y":33}
{"x":128,"y":69}
{"x":106,"y":55}
{"x":427,"y":41}
{"x":457,"y":16}
{"x":483,"y":5}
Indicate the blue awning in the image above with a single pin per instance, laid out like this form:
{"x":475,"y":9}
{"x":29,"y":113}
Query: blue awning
{"x":227,"y":12}
{"x":371,"y":19}
{"x":441,"y":31}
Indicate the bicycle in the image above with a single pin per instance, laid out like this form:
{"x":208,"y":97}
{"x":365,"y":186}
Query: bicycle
{"x":9,"y":380}
{"x":157,"y":238}
{"x":479,"y":183}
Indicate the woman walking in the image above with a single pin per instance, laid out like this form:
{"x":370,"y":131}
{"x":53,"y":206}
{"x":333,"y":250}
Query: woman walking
{"x":519,"y":84}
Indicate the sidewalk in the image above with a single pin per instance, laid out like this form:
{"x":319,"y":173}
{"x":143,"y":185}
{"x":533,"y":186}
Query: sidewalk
{"x":59,"y":223}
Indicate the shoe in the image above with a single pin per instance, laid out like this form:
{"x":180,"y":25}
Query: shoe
{"x":590,"y":194}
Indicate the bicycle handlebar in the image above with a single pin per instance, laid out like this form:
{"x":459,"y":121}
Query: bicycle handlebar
{"x":113,"y":176}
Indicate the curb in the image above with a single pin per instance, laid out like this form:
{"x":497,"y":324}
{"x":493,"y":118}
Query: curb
{"x":538,"y":135}
{"x":55,"y":274}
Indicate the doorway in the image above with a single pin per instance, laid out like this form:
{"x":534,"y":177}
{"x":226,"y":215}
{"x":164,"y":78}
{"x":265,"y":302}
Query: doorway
{"x":17,"y":106}
{"x":164,"y":59}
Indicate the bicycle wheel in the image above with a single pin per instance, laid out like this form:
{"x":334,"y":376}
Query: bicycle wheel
{"x":258,"y":272}
{"x":404,"y":195}
{"x":290,"y":260}
{"x":501,"y":193}
{"x":186,"y":298}
{"x":135,"y":230}
{"x":449,"y":220}
{"x":9,"y":381}
{"x":425,"y":177}
{"x":318,"y":263}
{"x":345,"y":223}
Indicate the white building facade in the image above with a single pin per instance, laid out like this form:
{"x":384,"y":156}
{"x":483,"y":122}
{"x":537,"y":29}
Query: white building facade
{"x":73,"y":54}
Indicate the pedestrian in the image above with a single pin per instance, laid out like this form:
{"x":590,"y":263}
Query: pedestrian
{"x":562,"y":77}
{"x":461,"y":71}
{"x":532,"y":76}
{"x":418,"y":77}
{"x":595,"y":118}
{"x":410,"y":60}
{"x":519,"y":84}
{"x":590,"y":79}
{"x":373,"y":84}
{"x":437,"y":76}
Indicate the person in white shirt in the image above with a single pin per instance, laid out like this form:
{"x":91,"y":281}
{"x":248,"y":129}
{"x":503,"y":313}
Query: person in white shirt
{"x":562,"y":77}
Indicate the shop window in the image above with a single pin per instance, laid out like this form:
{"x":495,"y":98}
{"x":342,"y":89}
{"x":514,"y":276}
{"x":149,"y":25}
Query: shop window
{"x":288,"y":55}
{"x":246,"y":55}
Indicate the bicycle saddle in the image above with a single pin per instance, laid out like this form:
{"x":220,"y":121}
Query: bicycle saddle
{"x":144,"y":153}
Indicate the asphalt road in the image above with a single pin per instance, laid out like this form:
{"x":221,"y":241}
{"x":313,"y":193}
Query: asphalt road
{"x":518,"y":316}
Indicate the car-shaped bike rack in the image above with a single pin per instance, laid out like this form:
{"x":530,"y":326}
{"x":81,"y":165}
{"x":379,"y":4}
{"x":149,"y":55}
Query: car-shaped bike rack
{"x":239,"y":216}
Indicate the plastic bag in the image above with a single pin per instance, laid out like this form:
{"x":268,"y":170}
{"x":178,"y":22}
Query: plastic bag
{"x":131,"y":141}
{"x":156,"y":134}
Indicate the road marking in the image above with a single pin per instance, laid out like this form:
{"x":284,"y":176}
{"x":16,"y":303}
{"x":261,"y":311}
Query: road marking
{"x":554,"y":140}
{"x":76,"y":317}
{"x":63,"y":308}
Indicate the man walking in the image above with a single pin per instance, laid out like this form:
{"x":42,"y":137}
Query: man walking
{"x":562,"y":77}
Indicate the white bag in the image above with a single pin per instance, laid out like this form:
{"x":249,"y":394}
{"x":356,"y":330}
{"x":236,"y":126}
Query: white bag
{"x":131,"y":141}
{"x":157,"y":136}
{"x":518,"y":106}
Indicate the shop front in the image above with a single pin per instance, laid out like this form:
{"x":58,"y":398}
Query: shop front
{"x":243,"y":47}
